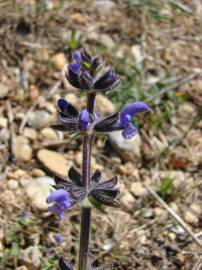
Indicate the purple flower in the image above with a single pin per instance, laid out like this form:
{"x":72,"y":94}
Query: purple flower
{"x":62,"y":201}
{"x":58,"y":238}
{"x":25,"y":215}
{"x":83,"y":56}
{"x":82,"y":73}
{"x":84,"y":120}
{"x":126,"y":115}
{"x":73,"y":74}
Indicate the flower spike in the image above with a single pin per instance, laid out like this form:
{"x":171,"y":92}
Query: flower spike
{"x":83,"y":71}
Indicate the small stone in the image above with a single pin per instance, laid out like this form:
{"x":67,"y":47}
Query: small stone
{"x":40,"y":118}
{"x":127,"y":149}
{"x":53,"y":161}
{"x":72,"y":98}
{"x":30,"y":133}
{"x":49,"y":134}
{"x":4,"y":90}
{"x":107,"y":41}
{"x":12,"y":184}
{"x":23,"y":267}
{"x":51,"y":108}
{"x":178,"y":230}
{"x":9,"y":197}
{"x":104,"y":105}
{"x":138,"y":189}
{"x":20,"y":173}
{"x":31,"y":257}
{"x":104,"y":6}
{"x":148,"y":213}
{"x":142,"y":236}
{"x":191,"y":218}
{"x":197,"y":208}
{"x":33,"y":92}
{"x":59,"y":61}
{"x":22,"y":150}
{"x":24,"y":181}
{"x":174,"y":207}
{"x":172,"y":236}
{"x":187,"y":110}
{"x":126,"y":197}
{"x":38,"y":190}
{"x":38,"y":172}
{"x":3,"y":122}
{"x":78,"y":159}
{"x":158,"y":211}
{"x":78,"y":18}
{"x":137,"y":53}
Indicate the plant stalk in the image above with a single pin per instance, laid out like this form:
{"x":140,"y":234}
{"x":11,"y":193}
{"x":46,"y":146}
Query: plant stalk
{"x":86,"y":211}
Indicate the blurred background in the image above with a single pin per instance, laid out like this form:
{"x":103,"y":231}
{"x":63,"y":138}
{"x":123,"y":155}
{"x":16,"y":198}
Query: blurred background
{"x":155,"y":46}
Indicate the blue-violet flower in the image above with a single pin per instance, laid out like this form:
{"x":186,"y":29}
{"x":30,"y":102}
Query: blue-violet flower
{"x":126,"y":115}
{"x":62,"y":201}
{"x":82,"y":73}
{"x":84,"y":120}
{"x":58,"y":238}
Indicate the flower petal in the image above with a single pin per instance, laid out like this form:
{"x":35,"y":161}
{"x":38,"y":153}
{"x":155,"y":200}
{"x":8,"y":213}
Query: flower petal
{"x":133,"y":108}
{"x":129,"y":132}
{"x":62,"y":104}
{"x":85,"y":56}
{"x":84,"y":120}
{"x":58,"y":195}
{"x":72,"y":74}
{"x":75,"y":67}
{"x":77,"y":57}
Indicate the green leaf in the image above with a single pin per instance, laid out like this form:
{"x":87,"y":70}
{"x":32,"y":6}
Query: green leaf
{"x":95,"y":203}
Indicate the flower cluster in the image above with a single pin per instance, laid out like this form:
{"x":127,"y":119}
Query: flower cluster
{"x":70,"y":120}
{"x":85,"y":73}
{"x":71,"y":191}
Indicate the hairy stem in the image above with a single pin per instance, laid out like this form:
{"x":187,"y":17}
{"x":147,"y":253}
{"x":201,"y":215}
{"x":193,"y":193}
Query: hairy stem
{"x":86,"y":211}
{"x":90,"y":102}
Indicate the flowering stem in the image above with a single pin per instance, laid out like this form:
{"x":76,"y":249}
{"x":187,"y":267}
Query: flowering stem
{"x":86,"y":210}
{"x":90,"y":102}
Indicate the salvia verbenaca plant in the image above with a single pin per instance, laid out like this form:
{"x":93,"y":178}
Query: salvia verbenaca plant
{"x":86,"y":73}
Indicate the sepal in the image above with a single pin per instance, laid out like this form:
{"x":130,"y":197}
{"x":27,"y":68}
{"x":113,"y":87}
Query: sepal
{"x":108,"y":124}
{"x":75,"y":176}
{"x":95,"y":177}
{"x":104,"y":199}
{"x":65,"y":265}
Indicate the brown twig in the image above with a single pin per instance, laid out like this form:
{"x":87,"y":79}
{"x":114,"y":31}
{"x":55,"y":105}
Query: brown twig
{"x":178,"y":218}
{"x":65,"y":142}
{"x":198,"y":265}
